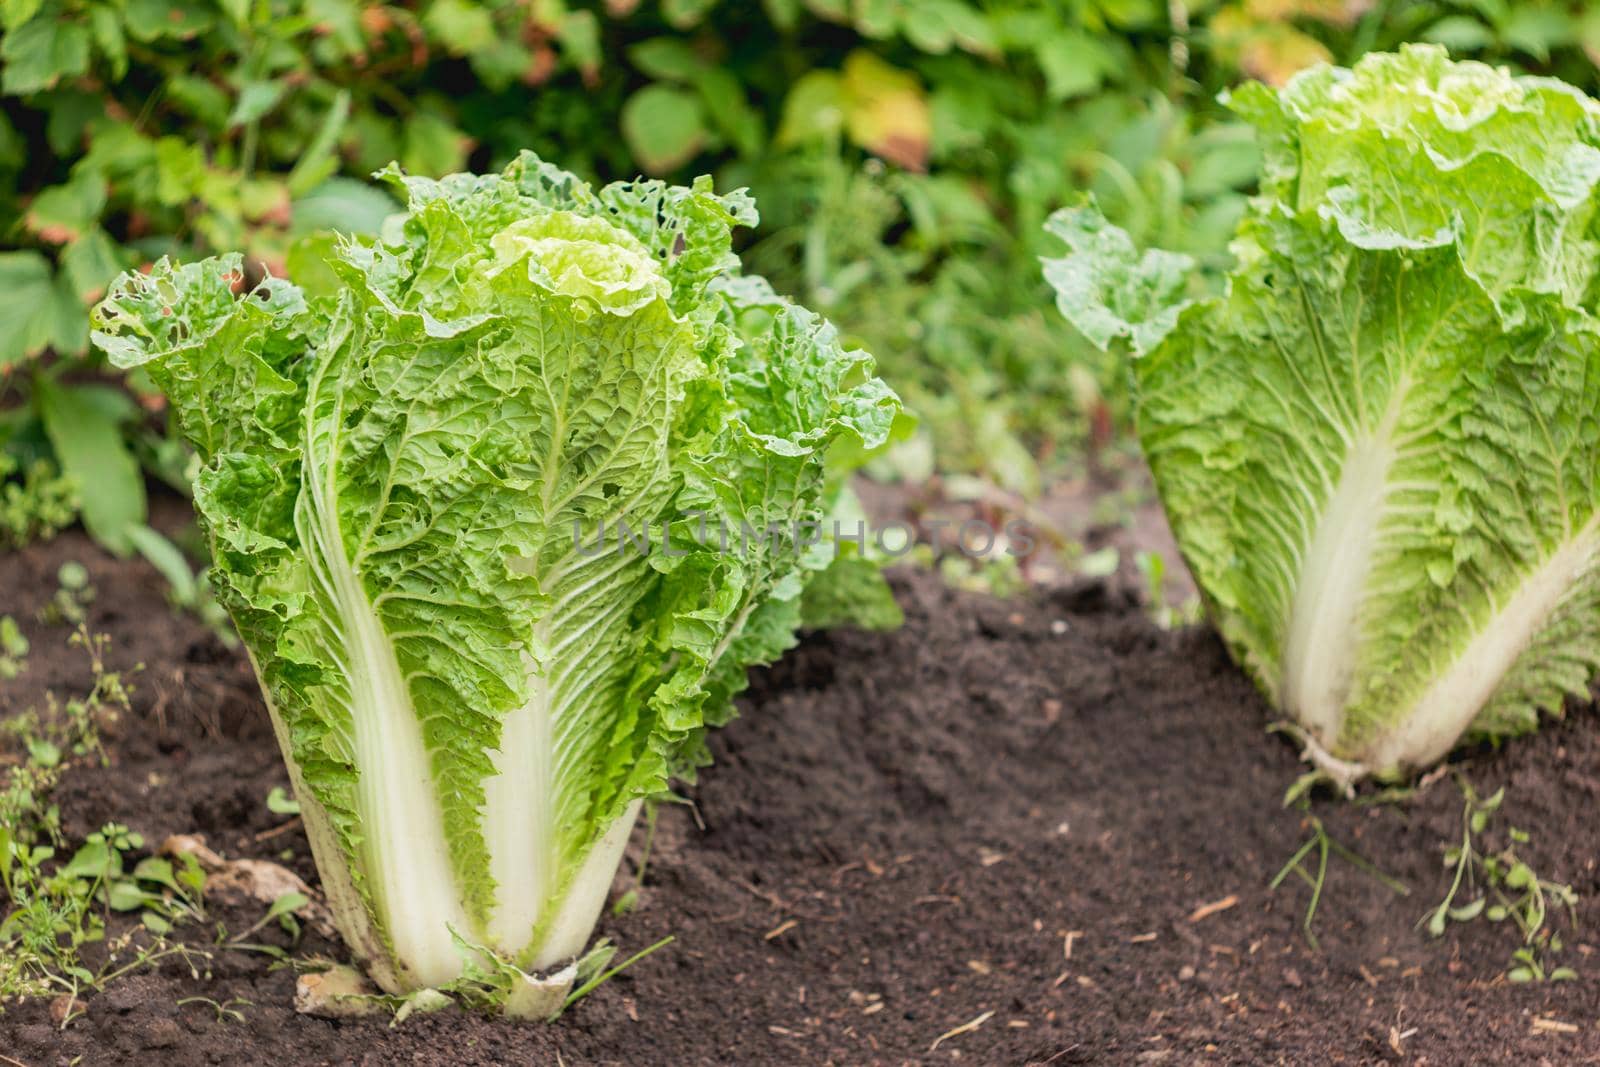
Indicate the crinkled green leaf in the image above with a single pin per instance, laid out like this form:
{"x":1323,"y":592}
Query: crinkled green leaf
{"x":1410,"y":150}
{"x":88,"y":444}
{"x":1107,"y":288}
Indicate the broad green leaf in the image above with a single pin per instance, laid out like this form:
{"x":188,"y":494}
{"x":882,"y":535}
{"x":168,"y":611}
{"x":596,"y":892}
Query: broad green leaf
{"x":90,"y":262}
{"x":342,"y":204}
{"x":730,"y":112}
{"x":154,"y":20}
{"x":320,"y":159}
{"x":90,"y":449}
{"x":165,"y":557}
{"x":255,"y":100}
{"x":15,"y":13}
{"x":685,"y":14}
{"x":42,"y":53}
{"x":105,"y":23}
{"x":63,"y":213}
{"x":579,"y":34}
{"x":1074,"y":63}
{"x":463,"y":26}
{"x":664,"y":127}
{"x":667,"y":59}
{"x":885,"y":110}
{"x":41,"y":310}
{"x":432,"y":146}
{"x":814,"y":110}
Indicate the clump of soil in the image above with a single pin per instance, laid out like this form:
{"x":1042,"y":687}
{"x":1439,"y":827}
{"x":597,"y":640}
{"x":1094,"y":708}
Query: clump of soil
{"x":1012,"y":832}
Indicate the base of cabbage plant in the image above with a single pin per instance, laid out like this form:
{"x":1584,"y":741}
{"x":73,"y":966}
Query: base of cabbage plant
{"x":1340,"y":773}
{"x":343,"y":992}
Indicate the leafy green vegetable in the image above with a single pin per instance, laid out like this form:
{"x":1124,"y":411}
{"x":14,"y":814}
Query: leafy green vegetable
{"x":404,"y":482}
{"x":1378,"y":446}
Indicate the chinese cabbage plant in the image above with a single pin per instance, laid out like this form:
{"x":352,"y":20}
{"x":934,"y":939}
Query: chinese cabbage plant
{"x":407,"y":472}
{"x":1379,"y":447}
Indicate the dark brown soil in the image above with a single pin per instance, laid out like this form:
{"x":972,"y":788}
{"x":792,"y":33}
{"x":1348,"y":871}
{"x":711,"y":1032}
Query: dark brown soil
{"x":902,"y":834}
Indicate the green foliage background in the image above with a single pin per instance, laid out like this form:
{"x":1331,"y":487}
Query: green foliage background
{"x":904,"y":154}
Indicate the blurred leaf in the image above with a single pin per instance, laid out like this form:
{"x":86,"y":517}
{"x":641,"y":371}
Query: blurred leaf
{"x":936,"y":25}
{"x":14,"y":13}
{"x":64,"y":212}
{"x":664,"y":127}
{"x":320,"y":159}
{"x":885,"y":110}
{"x":153,"y":20}
{"x":204,"y":99}
{"x":342,"y":204}
{"x":830,"y":10}
{"x":105,"y":23}
{"x":37,"y":312}
{"x":43,"y":52}
{"x":256,"y":99}
{"x":877,"y":19}
{"x":813,"y":110}
{"x":164,"y":556}
{"x":684,"y":14}
{"x":730,"y":112}
{"x":1272,"y":52}
{"x":1536,"y":30}
{"x":71,"y":113}
{"x":89,"y":447}
{"x":783,"y":13}
{"x":580,"y":40}
{"x":1073,"y":63}
{"x":1459,"y":33}
{"x":463,"y":26}
{"x":433,"y":147}
{"x":666,"y":59}
{"x":89,"y":263}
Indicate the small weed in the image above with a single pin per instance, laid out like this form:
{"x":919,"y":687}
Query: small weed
{"x":1325,"y":846}
{"x":1153,"y":566}
{"x":593,"y":973}
{"x":13,"y":649}
{"x":36,"y":502}
{"x":72,"y":597}
{"x":630,"y":899}
{"x":226,"y":1012}
{"x":58,"y":905}
{"x":1498,"y":886}
{"x":279,"y":802}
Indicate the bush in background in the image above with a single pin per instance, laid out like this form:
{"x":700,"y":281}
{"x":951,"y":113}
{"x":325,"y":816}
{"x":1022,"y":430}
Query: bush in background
{"x":904,"y":154}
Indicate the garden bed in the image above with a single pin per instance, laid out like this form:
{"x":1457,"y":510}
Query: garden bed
{"x":1047,"y":815}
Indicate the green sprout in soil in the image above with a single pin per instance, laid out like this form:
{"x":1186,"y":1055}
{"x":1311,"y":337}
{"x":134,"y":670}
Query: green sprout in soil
{"x":279,"y":802}
{"x":226,"y":1012}
{"x":1498,"y":886}
{"x":1153,"y":567}
{"x":1325,"y":846}
{"x":629,"y":900}
{"x":54,"y":936}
